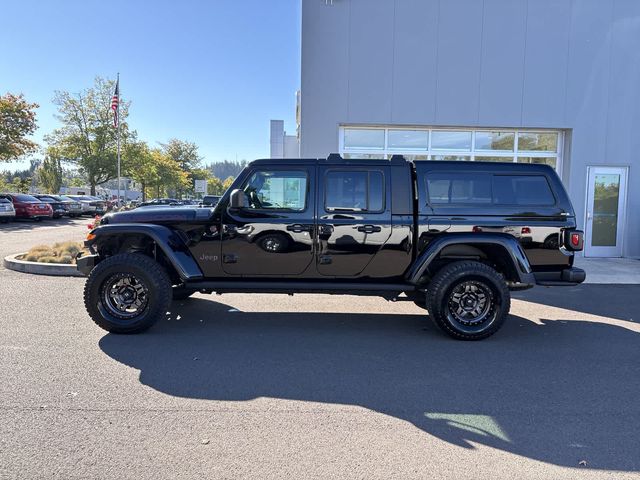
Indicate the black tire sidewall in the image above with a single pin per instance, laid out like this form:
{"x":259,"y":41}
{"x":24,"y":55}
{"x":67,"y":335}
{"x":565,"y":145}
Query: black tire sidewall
{"x":149,"y":272}
{"x":452,"y":275}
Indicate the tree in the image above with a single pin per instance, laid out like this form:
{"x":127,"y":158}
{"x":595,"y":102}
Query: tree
{"x":225,"y":168}
{"x":20,"y":185}
{"x":227,"y":183}
{"x":87,"y":138}
{"x":49,"y":175}
{"x":169,"y":175}
{"x":143,"y":166}
{"x":17,"y":121}
{"x":185,"y":154}
{"x":214,"y":186}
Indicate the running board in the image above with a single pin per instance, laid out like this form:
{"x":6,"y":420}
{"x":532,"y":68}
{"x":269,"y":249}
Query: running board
{"x":335,"y":288}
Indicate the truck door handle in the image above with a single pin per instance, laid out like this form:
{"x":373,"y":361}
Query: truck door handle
{"x":298,"y":228}
{"x":369,"y":228}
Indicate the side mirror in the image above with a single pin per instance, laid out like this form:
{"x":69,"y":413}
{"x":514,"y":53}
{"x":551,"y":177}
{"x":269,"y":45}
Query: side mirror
{"x":237,"y":199}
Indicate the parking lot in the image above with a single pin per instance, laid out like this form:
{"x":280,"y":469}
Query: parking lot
{"x":312,"y":386}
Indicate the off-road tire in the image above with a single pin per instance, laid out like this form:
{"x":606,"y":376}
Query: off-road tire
{"x":441,"y":291}
{"x":150,"y":274}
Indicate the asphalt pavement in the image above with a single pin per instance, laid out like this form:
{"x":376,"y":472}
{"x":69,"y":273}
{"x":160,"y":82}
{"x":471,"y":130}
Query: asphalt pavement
{"x":313,"y":386}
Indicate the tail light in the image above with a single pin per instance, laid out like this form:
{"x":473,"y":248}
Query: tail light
{"x":476,"y":229}
{"x":573,"y":240}
{"x":525,"y":231}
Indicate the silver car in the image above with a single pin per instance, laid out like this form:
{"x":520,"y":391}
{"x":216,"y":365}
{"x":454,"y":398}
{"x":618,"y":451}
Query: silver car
{"x":7,"y":212}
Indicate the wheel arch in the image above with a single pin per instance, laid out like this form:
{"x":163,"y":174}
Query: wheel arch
{"x":502,"y":251}
{"x":156,"y":241}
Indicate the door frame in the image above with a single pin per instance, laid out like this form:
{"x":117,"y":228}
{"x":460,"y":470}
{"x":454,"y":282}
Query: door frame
{"x":622,"y":212}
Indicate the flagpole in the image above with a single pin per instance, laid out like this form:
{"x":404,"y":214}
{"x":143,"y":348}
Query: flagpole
{"x":118,"y":84}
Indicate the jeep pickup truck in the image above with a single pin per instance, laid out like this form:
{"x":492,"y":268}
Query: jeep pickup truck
{"x":453,"y":237}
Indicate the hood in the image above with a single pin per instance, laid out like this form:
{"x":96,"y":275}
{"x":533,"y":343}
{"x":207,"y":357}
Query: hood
{"x":159,"y":215}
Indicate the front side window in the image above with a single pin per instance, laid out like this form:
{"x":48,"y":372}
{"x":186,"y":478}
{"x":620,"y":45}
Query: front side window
{"x":354,"y":190}
{"x":277,"y":190}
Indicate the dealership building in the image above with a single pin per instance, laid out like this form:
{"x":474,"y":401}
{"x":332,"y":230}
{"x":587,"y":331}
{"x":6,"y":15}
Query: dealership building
{"x":528,"y":81}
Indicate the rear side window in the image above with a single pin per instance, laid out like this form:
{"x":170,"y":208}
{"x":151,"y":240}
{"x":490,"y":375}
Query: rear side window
{"x":484,"y":188}
{"x":452,"y":188}
{"x":522,"y":190}
{"x":354,"y":190}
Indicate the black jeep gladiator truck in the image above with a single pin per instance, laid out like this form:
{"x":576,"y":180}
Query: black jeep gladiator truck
{"x":453,"y":237}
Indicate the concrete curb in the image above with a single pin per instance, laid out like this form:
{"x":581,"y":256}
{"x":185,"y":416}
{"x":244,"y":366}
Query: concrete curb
{"x":11,"y":262}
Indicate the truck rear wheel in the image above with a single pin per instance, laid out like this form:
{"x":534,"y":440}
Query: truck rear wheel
{"x":127,"y":293}
{"x":468,"y":300}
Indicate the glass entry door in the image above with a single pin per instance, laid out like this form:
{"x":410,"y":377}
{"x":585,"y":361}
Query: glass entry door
{"x":605,"y":211}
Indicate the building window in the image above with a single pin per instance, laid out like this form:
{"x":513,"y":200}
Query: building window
{"x":480,"y":145}
{"x":445,"y":140}
{"x":369,"y":138}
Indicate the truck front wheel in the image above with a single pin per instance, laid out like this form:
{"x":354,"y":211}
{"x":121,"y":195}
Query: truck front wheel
{"x":127,"y":293}
{"x":468,"y":300}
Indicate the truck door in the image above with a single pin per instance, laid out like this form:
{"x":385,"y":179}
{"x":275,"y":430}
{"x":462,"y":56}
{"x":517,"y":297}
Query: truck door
{"x":274,"y":233}
{"x":354,"y":217}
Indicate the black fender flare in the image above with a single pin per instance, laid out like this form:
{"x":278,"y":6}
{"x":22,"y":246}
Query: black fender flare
{"x":515,"y":256}
{"x":167,"y":240}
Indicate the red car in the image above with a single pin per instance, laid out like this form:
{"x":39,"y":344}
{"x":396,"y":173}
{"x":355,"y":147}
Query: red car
{"x":27,"y":206}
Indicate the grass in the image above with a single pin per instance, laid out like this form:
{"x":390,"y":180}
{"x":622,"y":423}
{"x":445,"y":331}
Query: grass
{"x":61,"y":252}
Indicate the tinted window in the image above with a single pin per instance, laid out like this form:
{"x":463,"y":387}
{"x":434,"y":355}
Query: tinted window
{"x":445,"y":188}
{"x":354,"y":190}
{"x":522,"y":190}
{"x":25,"y":198}
{"x":277,"y":189}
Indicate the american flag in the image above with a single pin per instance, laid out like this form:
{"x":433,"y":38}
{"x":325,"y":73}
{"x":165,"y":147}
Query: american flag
{"x":115,"y":104}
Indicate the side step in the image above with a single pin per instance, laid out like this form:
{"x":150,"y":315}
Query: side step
{"x":334,"y":288}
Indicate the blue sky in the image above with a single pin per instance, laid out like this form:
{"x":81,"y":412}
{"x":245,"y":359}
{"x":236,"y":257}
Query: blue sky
{"x":212,"y":72}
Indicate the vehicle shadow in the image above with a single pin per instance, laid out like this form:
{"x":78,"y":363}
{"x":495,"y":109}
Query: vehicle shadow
{"x":588,"y":298}
{"x":549,"y":392}
{"x":23,"y":224}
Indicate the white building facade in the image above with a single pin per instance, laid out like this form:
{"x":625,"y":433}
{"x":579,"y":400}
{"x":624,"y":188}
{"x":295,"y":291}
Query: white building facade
{"x":544,"y":81}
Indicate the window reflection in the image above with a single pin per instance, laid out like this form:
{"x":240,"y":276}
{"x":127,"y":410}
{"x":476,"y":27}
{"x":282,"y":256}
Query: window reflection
{"x":364,"y":138}
{"x":545,"y":142}
{"x":450,"y":140}
{"x":457,"y":158}
{"x":551,"y":161}
{"x":495,"y":141}
{"x":409,"y":139}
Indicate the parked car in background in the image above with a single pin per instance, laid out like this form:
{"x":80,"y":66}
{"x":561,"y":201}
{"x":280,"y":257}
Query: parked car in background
{"x":73,"y":208}
{"x":160,"y":201}
{"x":90,"y":205}
{"x":210,"y":200}
{"x":27,"y":206}
{"x":100,"y":204}
{"x":7,"y":212}
{"x":56,"y":205}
